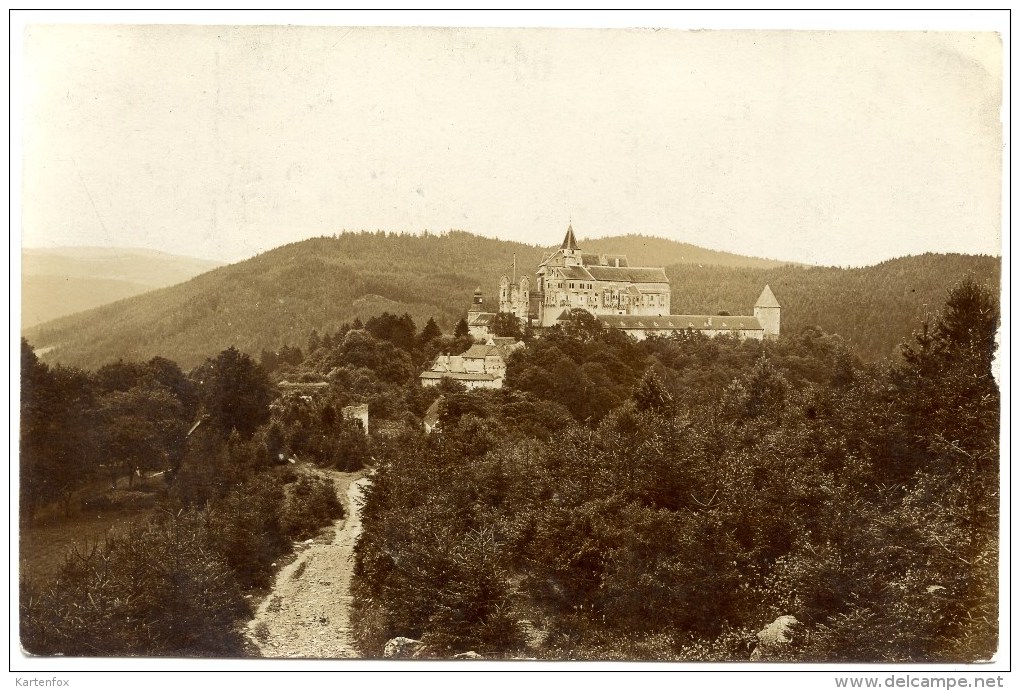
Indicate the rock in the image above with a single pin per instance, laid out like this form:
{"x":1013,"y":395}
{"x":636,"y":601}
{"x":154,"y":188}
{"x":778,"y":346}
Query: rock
{"x":469,"y":655}
{"x":774,"y":636}
{"x":401,"y":648}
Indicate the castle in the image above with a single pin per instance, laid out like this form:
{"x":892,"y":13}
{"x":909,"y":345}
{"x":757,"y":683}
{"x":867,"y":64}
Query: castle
{"x":635,"y":300}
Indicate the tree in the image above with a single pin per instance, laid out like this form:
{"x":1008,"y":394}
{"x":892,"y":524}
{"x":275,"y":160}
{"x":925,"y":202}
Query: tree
{"x":969,"y":322}
{"x":58,"y":446}
{"x":581,"y":325}
{"x":651,"y":395}
{"x":430,"y":332}
{"x":400,"y":331}
{"x":314,"y":341}
{"x":142,"y":428}
{"x":169,"y":374}
{"x":236,"y":392}
{"x":462,"y":329}
{"x":506,"y":324}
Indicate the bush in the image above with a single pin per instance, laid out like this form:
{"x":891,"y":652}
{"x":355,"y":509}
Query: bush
{"x":157,"y":591}
{"x":311,"y":503}
{"x":245,"y":527}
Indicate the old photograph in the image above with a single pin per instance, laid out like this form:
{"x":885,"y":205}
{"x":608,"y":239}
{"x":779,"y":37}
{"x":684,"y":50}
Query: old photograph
{"x":538,"y":344}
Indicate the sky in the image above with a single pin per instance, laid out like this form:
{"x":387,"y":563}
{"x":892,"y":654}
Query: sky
{"x":826,"y":147}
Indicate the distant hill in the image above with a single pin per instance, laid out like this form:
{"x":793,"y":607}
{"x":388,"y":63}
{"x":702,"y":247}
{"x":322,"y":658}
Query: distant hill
{"x":64,"y":280}
{"x":280,"y":296}
{"x":645,"y":250}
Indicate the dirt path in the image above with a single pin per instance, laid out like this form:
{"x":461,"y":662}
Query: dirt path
{"x":308,"y":613}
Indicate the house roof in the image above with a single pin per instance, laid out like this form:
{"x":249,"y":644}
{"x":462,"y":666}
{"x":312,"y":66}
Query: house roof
{"x":505,"y":344}
{"x":767,"y":298}
{"x":628,"y":274}
{"x":481,"y":318}
{"x":480,"y":350}
{"x":459,"y":376}
{"x":679,"y":322}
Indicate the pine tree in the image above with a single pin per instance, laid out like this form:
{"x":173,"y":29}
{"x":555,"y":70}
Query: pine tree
{"x":430,"y":332}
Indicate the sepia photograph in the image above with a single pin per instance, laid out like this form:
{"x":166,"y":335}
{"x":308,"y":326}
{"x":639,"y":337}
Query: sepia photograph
{"x":598,"y":344}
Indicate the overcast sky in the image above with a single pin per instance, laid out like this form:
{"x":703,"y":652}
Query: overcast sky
{"x":221,"y":142}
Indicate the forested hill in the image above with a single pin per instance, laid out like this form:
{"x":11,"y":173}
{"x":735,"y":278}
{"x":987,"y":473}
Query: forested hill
{"x":644,"y":250}
{"x":279,"y":297}
{"x":875,"y":308}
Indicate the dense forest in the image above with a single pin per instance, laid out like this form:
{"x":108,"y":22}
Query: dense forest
{"x":644,"y":250}
{"x":690,"y":492}
{"x":873,"y":308}
{"x":662,"y":499}
{"x":647,"y":250}
{"x":278,"y":298}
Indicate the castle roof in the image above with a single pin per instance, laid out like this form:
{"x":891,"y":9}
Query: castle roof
{"x":679,"y":322}
{"x":569,"y":242}
{"x":574,"y":273}
{"x":589,"y":259}
{"x":634,"y":274}
{"x":767,"y":298}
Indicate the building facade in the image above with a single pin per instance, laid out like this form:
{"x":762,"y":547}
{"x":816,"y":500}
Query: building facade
{"x":635,"y":300}
{"x":601,"y":284}
{"x":483,"y":366}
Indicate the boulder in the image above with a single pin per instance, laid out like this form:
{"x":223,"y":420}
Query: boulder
{"x":774,"y":637}
{"x":401,"y":648}
{"x":469,"y":655}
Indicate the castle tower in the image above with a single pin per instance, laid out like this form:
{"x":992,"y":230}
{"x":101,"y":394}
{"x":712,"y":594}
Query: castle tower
{"x":505,"y":294}
{"x":571,"y":252}
{"x":766,"y":311}
{"x":522,"y":302}
{"x":476,"y":302}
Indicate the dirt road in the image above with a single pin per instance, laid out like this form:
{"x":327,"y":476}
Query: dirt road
{"x":308,"y":613}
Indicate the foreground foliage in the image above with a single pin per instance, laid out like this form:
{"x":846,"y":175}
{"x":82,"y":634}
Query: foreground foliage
{"x":705,"y":489}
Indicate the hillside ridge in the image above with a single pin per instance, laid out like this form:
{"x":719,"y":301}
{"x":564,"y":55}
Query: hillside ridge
{"x":280,"y":296}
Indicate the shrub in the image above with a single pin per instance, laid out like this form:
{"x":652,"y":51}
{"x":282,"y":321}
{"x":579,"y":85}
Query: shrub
{"x":245,"y":527}
{"x":157,"y":591}
{"x":311,"y":503}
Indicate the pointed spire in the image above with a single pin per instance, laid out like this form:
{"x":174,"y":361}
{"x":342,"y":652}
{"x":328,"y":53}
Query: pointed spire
{"x":569,"y":242}
{"x":767,"y":298}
